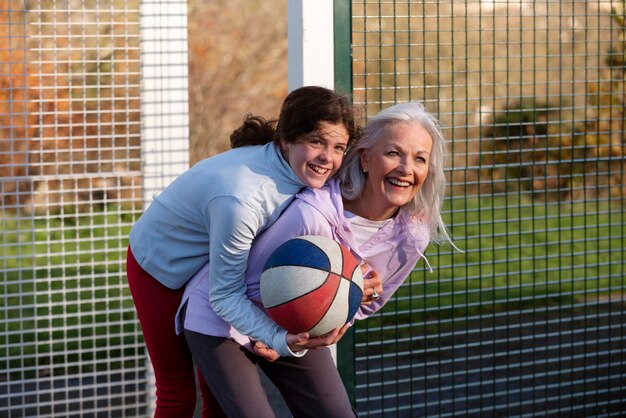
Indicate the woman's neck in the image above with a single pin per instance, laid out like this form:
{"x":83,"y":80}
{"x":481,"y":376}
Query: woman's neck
{"x":362,"y":208}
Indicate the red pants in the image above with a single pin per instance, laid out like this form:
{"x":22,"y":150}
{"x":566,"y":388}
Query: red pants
{"x":171,"y":359}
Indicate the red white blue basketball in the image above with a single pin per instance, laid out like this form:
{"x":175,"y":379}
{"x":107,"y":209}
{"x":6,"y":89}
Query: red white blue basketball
{"x":311,"y":284}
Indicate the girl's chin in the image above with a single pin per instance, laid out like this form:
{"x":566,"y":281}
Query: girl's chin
{"x":315,"y":183}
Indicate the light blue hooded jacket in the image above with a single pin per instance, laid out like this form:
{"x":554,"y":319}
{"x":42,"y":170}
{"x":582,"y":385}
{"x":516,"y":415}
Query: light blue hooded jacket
{"x":212,"y":212}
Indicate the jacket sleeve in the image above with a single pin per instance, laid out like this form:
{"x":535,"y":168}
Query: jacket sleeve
{"x":394,"y":261}
{"x":234,"y":225}
{"x":297,"y":220}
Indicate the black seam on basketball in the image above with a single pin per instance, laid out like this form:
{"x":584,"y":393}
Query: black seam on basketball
{"x":302,"y":294}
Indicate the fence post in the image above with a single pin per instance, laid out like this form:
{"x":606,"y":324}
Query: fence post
{"x":164,"y":94}
{"x":164,"y":106}
{"x":342,"y":29}
{"x":320,"y":42}
{"x":310,"y":43}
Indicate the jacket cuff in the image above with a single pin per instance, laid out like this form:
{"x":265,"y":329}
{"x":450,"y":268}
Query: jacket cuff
{"x":282,"y":347}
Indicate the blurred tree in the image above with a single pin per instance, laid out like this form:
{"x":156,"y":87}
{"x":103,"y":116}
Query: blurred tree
{"x":237,"y":65}
{"x":16,"y":106}
{"x":557,"y":150}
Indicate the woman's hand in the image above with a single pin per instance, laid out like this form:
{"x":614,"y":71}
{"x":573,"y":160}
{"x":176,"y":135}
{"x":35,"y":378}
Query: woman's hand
{"x":299,"y":342}
{"x":372,"y":285}
{"x":302,"y":341}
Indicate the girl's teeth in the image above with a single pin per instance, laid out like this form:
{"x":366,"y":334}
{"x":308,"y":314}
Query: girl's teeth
{"x":319,"y":170}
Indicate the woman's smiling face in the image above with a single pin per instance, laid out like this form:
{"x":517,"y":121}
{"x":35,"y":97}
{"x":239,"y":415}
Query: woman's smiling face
{"x":396,"y":168}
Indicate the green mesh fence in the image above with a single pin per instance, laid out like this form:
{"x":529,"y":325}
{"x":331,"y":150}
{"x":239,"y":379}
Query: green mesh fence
{"x":89,"y":125}
{"x":529,"y":319}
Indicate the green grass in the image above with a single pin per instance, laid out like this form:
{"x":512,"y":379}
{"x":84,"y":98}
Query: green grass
{"x":66,"y":306}
{"x":518,"y":255}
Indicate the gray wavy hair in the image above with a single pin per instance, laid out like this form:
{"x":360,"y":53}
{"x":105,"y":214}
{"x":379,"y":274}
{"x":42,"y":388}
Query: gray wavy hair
{"x":429,"y":200}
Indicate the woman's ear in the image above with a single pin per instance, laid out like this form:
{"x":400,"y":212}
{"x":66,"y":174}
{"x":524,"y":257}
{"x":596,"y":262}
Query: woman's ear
{"x":363,"y":160}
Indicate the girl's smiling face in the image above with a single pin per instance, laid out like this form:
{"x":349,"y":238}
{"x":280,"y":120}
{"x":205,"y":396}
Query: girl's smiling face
{"x":396,"y":169}
{"x":316,"y":156}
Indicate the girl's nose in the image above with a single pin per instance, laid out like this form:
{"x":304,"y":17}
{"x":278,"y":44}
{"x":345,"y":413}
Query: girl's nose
{"x":324,"y":155}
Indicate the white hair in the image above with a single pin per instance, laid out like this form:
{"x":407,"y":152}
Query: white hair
{"x":429,"y":199}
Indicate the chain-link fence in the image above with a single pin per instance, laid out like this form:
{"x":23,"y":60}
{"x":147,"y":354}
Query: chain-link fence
{"x":529,"y":320}
{"x":72,"y":168}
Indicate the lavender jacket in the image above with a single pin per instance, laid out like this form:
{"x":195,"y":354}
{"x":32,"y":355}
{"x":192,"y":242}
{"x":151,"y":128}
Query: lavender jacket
{"x":393,"y":252}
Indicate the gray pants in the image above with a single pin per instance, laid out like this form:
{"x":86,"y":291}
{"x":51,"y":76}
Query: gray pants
{"x":310,"y":384}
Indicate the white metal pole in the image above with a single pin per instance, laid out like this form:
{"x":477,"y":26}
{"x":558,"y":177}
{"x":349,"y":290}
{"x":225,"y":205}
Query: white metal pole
{"x":310,"y":43}
{"x":164,"y":94}
{"x":164,"y":106}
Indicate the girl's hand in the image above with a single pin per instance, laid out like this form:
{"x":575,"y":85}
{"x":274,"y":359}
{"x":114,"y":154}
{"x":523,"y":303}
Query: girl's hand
{"x":264,"y":351}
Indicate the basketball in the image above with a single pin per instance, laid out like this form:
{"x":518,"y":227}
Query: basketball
{"x":311,"y":284}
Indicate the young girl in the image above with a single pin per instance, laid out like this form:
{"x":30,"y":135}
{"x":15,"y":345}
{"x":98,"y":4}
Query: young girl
{"x":385,"y":206}
{"x":213,"y":211}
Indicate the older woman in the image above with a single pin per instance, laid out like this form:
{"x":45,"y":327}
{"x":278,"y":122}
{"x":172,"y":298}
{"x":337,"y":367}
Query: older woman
{"x":385,"y":206}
